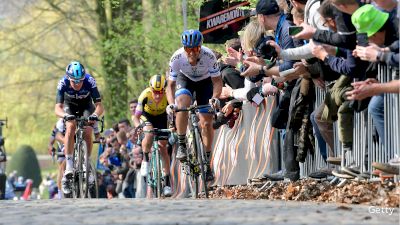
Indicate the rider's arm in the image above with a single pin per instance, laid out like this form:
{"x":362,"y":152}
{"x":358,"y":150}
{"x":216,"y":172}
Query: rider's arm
{"x":59,"y":110}
{"x":59,"y":107}
{"x":171,"y":91}
{"x":139,"y":108}
{"x":217,"y":86}
{"x":99,"y":109}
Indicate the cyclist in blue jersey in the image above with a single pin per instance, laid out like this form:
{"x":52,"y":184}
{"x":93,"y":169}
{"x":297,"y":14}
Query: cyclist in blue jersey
{"x":194,"y":70}
{"x":77,"y":95}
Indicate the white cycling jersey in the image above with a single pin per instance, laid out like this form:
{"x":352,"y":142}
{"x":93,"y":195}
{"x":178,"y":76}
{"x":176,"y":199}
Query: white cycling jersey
{"x":207,"y":65}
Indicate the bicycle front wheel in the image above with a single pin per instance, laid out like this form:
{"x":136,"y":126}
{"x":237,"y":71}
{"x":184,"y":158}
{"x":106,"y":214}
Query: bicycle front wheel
{"x":192,"y":168}
{"x":201,"y":159}
{"x":83,"y":170}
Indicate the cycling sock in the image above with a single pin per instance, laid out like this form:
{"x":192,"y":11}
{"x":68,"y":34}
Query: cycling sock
{"x":208,"y":156}
{"x":69,"y":162}
{"x":146,"y":157}
{"x":167,"y":182}
{"x":182,"y":139}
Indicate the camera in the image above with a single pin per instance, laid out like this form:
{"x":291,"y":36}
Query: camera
{"x":265,"y":50}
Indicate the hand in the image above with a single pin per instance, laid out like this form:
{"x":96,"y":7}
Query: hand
{"x":214,"y":102}
{"x":319,"y":52}
{"x":275,"y":45}
{"x":93,"y":117}
{"x":253,"y":65}
{"x":68,"y":117}
{"x":231,"y":61}
{"x":170,"y":109}
{"x":235,"y":54}
{"x":50,"y":150}
{"x":227,"y":109}
{"x":226,"y":92}
{"x":301,"y":70}
{"x":369,"y":53}
{"x":269,"y":89}
{"x":362,"y":91}
{"x":307,"y":32}
{"x":319,"y":83}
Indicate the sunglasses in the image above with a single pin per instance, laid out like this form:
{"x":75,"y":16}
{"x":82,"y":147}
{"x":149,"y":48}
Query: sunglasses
{"x":195,"y":49}
{"x":76,"y":81}
{"x":158,"y":92}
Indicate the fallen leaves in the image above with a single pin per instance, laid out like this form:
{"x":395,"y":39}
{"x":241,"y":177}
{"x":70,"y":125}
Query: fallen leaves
{"x":370,"y":193}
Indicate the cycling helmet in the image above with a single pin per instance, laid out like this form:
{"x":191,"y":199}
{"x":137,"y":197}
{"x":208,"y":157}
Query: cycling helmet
{"x":158,"y":82}
{"x":75,"y":71}
{"x":191,"y":38}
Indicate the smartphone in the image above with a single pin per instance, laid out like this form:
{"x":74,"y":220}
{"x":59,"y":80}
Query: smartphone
{"x":362,"y":39}
{"x":293,"y":30}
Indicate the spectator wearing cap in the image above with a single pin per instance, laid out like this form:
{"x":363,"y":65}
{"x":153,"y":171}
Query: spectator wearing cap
{"x":270,"y":16}
{"x":367,"y":19}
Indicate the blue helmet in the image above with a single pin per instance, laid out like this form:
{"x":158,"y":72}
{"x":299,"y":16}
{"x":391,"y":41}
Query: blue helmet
{"x":191,"y":38}
{"x":75,"y":71}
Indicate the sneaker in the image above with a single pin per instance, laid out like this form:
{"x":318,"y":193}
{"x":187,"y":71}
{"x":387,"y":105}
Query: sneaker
{"x":181,"y":153}
{"x":273,"y":177}
{"x":209,"y":173}
{"x":386,"y":167}
{"x":144,"y":169}
{"x":334,"y":160}
{"x":167,"y":191}
{"x":66,"y":182}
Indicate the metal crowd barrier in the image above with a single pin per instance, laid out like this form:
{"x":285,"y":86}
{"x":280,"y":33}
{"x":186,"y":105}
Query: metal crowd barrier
{"x":366,"y":148}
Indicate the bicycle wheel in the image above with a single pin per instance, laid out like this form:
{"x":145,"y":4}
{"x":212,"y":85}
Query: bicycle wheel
{"x":75,"y":176}
{"x":86,"y":170}
{"x":200,"y":159}
{"x":83,"y":187}
{"x":191,"y":168}
{"x":158,"y":173}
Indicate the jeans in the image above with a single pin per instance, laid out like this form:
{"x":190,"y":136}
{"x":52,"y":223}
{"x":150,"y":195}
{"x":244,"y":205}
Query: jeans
{"x":320,"y":139}
{"x":376,"y":109}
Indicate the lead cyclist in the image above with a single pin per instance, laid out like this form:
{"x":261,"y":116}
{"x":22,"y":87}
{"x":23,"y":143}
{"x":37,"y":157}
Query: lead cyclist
{"x":194,"y":69}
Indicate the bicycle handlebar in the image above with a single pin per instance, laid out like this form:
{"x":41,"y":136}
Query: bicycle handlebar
{"x":194,"y":108}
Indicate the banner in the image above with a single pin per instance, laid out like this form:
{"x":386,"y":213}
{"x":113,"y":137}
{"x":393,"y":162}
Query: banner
{"x":220,"y":21}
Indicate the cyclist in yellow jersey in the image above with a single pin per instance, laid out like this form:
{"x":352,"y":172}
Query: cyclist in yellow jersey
{"x":150,"y":112}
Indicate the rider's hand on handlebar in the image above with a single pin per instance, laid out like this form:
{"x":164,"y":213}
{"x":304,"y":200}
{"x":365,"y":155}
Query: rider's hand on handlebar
{"x":214,"y":102}
{"x":68,"y":117}
{"x":170,"y":109}
{"x":93,"y":117}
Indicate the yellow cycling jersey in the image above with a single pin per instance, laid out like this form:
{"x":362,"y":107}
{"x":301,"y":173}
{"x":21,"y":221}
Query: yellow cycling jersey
{"x":147,"y":105}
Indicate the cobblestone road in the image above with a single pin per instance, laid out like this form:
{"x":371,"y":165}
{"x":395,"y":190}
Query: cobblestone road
{"x":128,"y":211}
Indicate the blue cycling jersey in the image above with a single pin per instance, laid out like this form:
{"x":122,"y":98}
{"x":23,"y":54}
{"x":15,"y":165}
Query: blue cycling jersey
{"x":89,"y":91}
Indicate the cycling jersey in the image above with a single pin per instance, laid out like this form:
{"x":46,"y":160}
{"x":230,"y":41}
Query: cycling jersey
{"x":148,"y":106}
{"x":78,"y":103}
{"x":207,"y":65}
{"x":88,"y":92}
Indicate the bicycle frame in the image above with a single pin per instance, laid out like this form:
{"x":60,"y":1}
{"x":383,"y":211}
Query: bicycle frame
{"x":154,"y":179}
{"x":196,"y":161}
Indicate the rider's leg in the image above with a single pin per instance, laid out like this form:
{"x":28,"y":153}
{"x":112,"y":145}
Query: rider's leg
{"x":88,"y":135}
{"x":165,"y":158}
{"x":207,"y":134}
{"x":148,"y":139}
{"x":60,"y":174}
{"x":207,"y":131}
{"x":69,"y":144}
{"x":183,"y":99}
{"x":146,"y":146}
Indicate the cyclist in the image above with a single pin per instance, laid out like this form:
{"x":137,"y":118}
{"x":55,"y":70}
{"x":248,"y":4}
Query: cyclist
{"x":77,"y":95}
{"x":194,"y":70}
{"x":150,"y":112}
{"x":58,"y":135}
